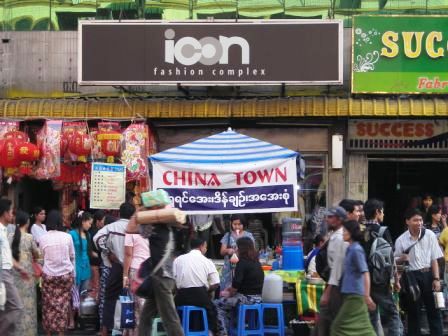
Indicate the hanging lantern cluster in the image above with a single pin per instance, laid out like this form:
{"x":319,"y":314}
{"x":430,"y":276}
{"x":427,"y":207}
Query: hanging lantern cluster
{"x":110,"y":142}
{"x":17,"y":152}
{"x":80,"y":144}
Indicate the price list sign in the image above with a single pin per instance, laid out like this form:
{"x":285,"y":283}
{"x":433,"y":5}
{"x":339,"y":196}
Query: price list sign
{"x":108,"y":186}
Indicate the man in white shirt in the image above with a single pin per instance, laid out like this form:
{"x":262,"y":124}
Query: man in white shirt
{"x":331,"y":299}
{"x":196,"y":280}
{"x":13,"y":306}
{"x":110,"y":241}
{"x":422,"y":261}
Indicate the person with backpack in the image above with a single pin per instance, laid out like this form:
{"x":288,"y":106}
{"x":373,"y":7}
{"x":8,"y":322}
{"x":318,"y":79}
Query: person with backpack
{"x":378,"y":246}
{"x":419,"y":250}
{"x":329,"y":266}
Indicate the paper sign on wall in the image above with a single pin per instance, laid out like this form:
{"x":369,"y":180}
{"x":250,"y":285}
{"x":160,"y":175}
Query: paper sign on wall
{"x":108,"y":186}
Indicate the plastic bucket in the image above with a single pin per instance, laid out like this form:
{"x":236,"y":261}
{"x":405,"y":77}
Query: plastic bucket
{"x":293,"y":257}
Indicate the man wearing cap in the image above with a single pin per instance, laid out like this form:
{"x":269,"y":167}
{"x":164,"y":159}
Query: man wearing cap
{"x":331,"y":299}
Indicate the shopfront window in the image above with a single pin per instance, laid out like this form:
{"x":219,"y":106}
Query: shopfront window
{"x":313,"y":196}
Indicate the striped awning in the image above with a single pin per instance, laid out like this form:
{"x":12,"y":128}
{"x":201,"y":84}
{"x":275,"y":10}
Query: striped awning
{"x":227,"y":147}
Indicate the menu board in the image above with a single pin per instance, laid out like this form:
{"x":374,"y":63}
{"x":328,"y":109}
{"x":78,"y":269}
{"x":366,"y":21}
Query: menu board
{"x":108,"y":186}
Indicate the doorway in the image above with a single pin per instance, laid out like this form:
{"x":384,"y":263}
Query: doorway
{"x":32,"y":193}
{"x":401,"y":183}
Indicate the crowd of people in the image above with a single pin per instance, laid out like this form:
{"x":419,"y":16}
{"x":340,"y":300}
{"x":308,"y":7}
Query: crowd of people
{"x":364,"y":267}
{"x":101,"y":255}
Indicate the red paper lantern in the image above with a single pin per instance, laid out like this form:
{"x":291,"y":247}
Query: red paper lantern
{"x":80,"y":145}
{"x":110,"y":144}
{"x":8,"y":156}
{"x":26,"y":153}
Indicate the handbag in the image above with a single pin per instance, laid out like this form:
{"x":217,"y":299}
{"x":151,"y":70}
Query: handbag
{"x":124,"y":317}
{"x":410,"y":291}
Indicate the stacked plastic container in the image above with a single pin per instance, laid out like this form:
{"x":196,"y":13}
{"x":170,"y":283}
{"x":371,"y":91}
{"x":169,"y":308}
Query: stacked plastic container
{"x":292,"y":244}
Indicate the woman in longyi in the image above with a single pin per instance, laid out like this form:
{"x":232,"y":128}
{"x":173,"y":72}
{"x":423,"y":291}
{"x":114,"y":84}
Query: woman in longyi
{"x":353,"y":317}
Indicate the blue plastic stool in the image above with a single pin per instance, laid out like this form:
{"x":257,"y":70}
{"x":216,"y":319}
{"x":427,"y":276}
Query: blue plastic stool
{"x":157,"y":327}
{"x":185,"y":313}
{"x":279,"y":328}
{"x":255,"y":323}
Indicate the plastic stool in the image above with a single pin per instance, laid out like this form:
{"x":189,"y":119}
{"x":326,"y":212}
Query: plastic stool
{"x":255,"y":325}
{"x":155,"y":327}
{"x":185,"y":313}
{"x":279,"y":328}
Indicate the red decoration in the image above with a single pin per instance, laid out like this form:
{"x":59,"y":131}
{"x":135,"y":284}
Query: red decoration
{"x":17,"y":135}
{"x":64,"y":142}
{"x":71,"y":174}
{"x":80,"y":145}
{"x":8,"y":156}
{"x":110,"y":144}
{"x":26,"y":153}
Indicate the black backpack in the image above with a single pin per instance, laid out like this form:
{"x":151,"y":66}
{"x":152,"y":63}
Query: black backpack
{"x":380,"y":257}
{"x":322,"y":267}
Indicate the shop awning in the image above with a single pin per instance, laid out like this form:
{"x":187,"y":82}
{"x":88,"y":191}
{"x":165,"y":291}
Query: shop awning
{"x":231,"y":108}
{"x":228,"y":173}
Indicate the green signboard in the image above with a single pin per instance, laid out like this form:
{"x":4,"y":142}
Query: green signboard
{"x":400,"y":54}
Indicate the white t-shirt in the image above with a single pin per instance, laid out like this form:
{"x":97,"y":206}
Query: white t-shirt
{"x":194,"y":270}
{"x":38,"y":231}
{"x":5,"y":248}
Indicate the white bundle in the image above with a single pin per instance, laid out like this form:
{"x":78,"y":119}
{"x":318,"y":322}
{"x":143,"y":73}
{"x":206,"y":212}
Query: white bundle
{"x":171,"y":216}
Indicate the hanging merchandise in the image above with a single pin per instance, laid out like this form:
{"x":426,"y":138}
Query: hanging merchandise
{"x":96,"y":153}
{"x":72,"y":174}
{"x":49,"y":143}
{"x":135,"y":151}
{"x":26,"y":153}
{"x":76,"y":143}
{"x":18,"y":152}
{"x":152,"y":143}
{"x":80,"y":145}
{"x":109,"y":138}
{"x":8,"y":126}
{"x":5,"y":127}
{"x":8,"y":157}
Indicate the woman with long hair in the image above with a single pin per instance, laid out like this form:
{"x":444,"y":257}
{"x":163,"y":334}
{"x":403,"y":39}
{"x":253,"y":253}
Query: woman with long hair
{"x":38,"y":228}
{"x":25,"y":251}
{"x":353,"y":316}
{"x":81,"y":242}
{"x":437,"y":221}
{"x":58,"y":275}
{"x":228,"y":247}
{"x":247,"y":284}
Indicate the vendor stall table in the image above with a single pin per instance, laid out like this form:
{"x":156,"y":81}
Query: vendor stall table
{"x":307,"y":294}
